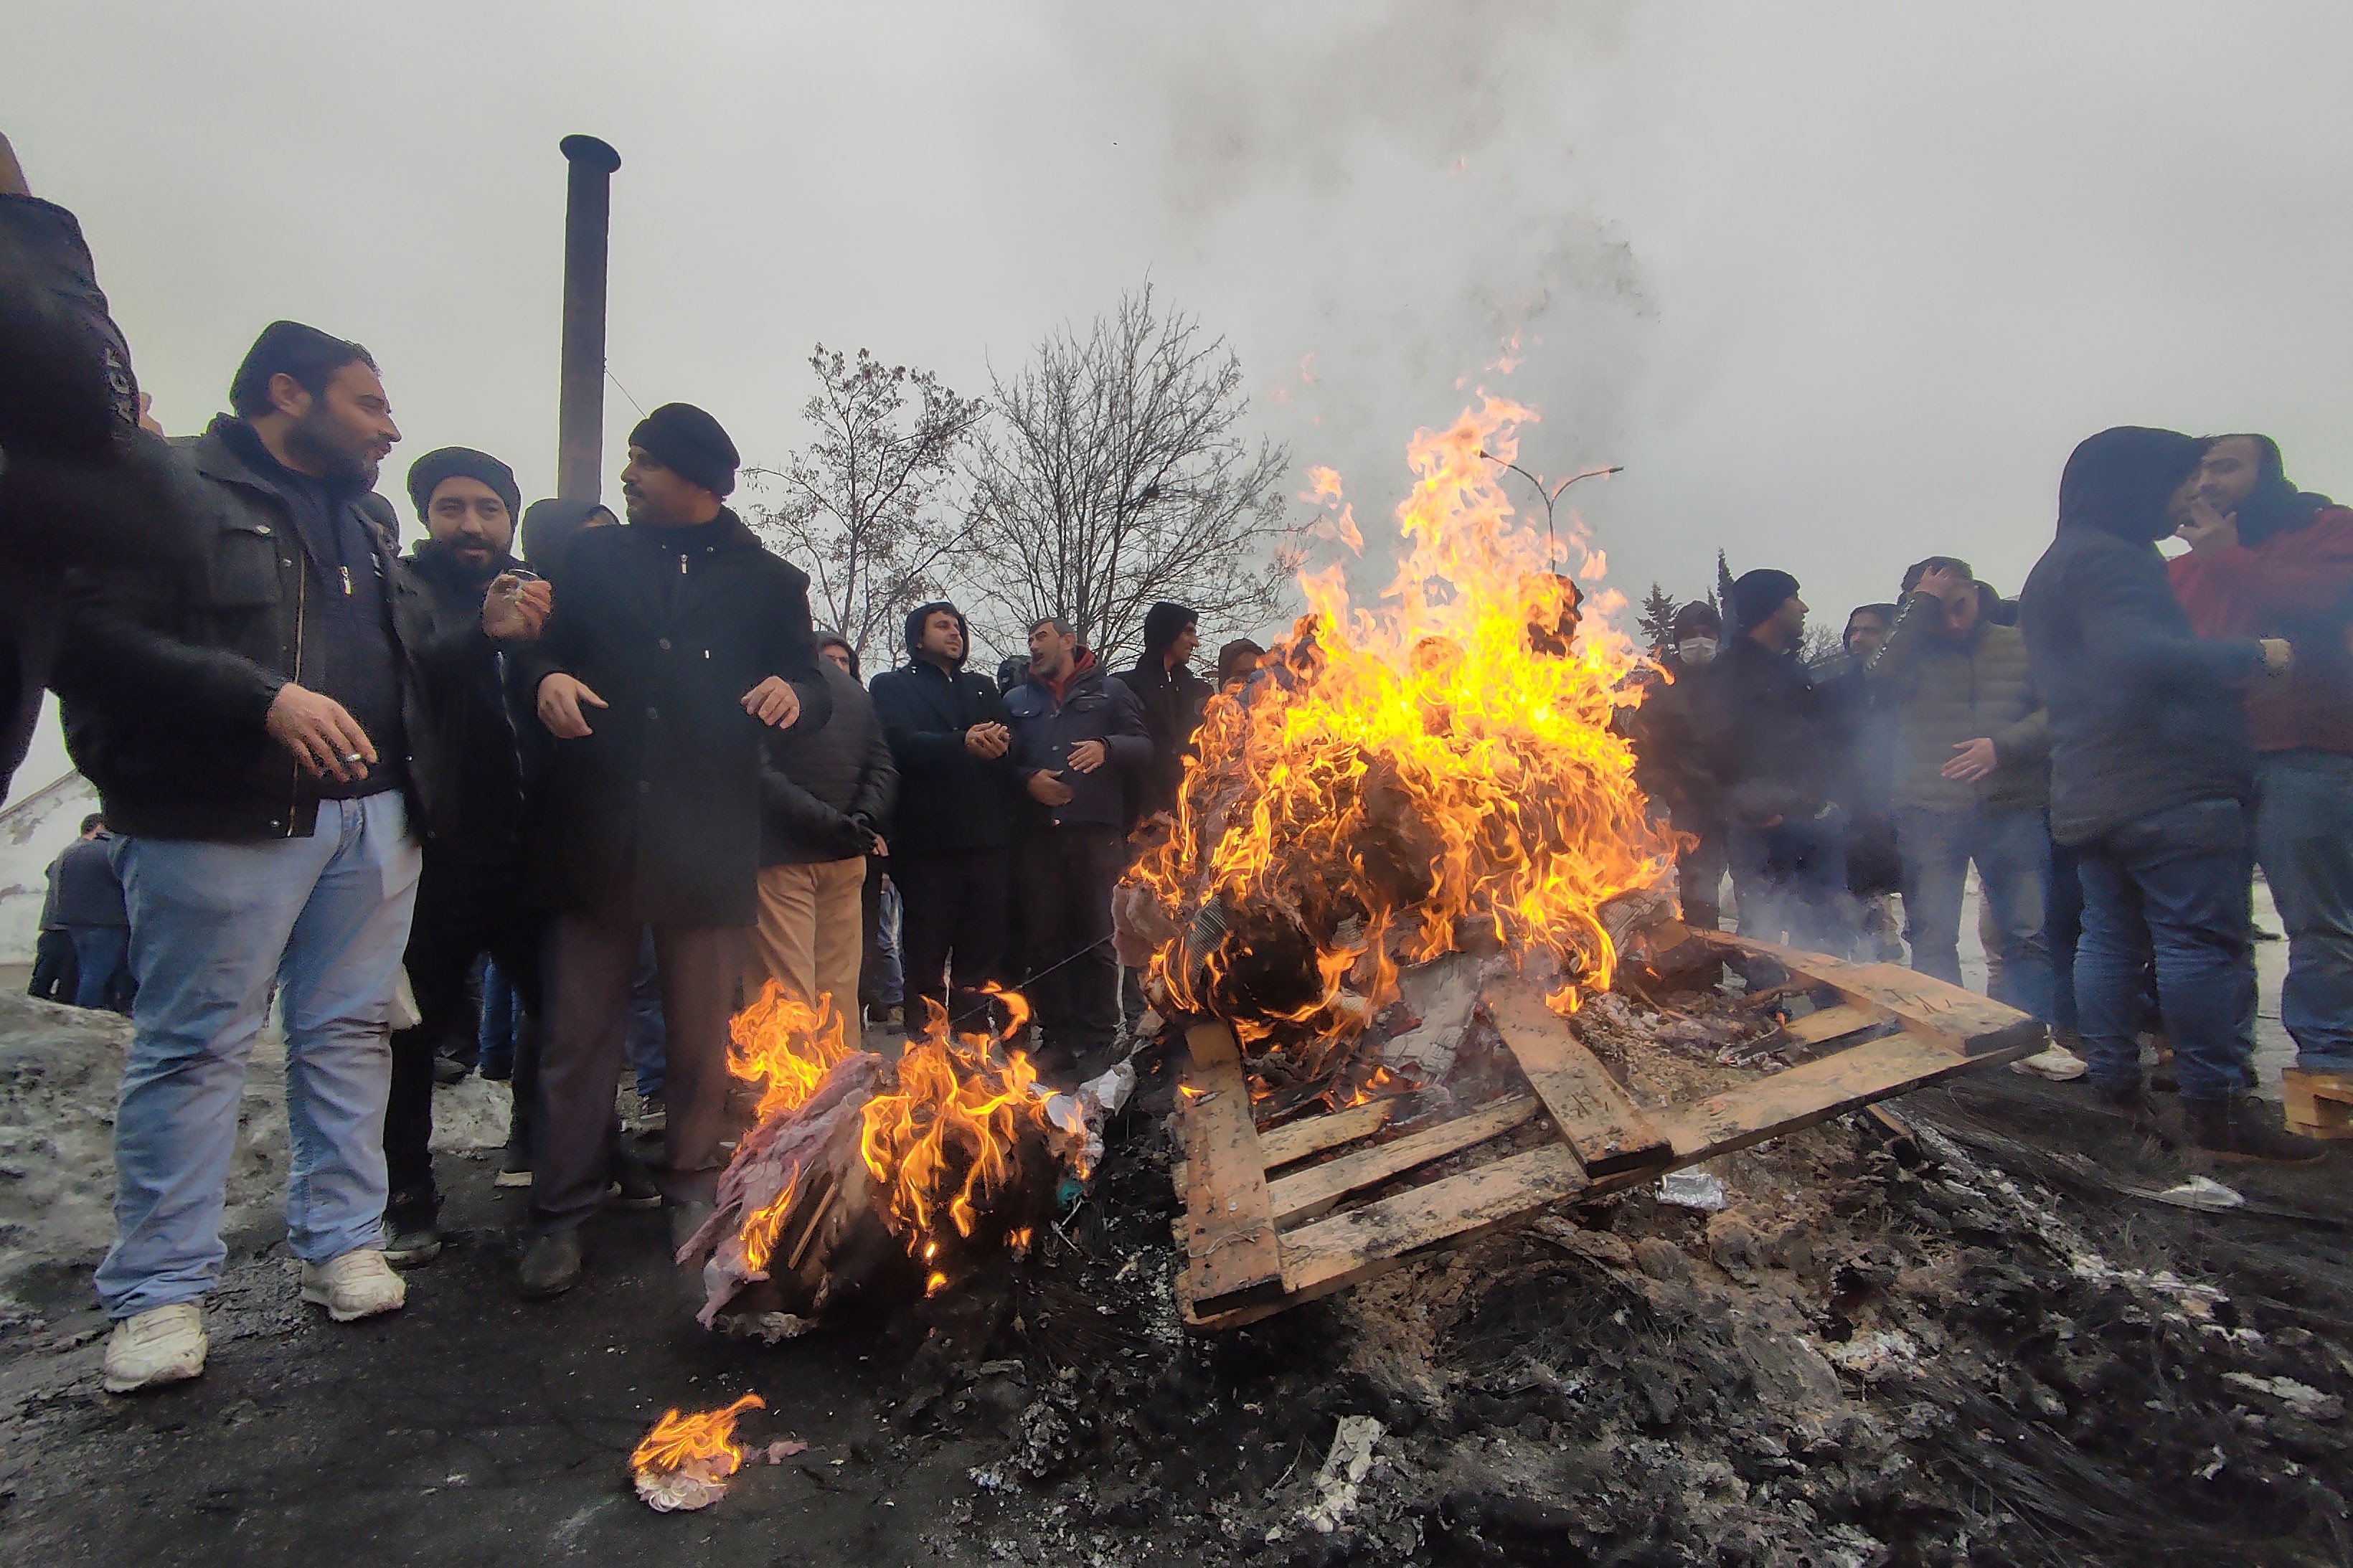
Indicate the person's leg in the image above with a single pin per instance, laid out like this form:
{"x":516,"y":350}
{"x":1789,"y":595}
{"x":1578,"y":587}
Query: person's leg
{"x":55,"y":976}
{"x":208,"y":922}
{"x":590,"y":966}
{"x":870,"y":923}
{"x":444,"y":936}
{"x":495,"y":1041}
{"x":700,"y":967}
{"x":1042,"y":878}
{"x":1934,"y":846}
{"x":2194,"y":867}
{"x":892,"y":987}
{"x":984,"y":913}
{"x":338,"y":976}
{"x":928,"y":892}
{"x":838,"y":932}
{"x":98,"y":953}
{"x":648,"y":1031}
{"x":782,"y":945}
{"x":2064,"y":930}
{"x":2112,"y":960}
{"x":2303,"y":836}
{"x":2013,"y":851}
{"x":1091,"y":992}
{"x":1699,"y":879}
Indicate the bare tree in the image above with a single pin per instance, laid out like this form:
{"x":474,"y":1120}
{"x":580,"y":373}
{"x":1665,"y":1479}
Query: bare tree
{"x":869,"y":506}
{"x":1114,"y":472}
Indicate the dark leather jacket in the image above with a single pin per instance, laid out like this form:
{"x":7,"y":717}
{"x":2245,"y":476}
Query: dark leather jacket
{"x":166,"y":673}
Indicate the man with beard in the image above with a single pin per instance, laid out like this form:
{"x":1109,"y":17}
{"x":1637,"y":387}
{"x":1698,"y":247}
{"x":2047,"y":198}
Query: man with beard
{"x":674,"y":643}
{"x":253,"y":726}
{"x":468,"y":900}
{"x":2151,"y":778}
{"x":2267,"y":561}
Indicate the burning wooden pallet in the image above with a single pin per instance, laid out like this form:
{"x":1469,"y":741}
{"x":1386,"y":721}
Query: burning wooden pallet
{"x":1267,"y":1221}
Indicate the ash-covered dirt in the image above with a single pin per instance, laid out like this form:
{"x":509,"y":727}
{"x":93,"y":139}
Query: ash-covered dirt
{"x":2004,"y":1354}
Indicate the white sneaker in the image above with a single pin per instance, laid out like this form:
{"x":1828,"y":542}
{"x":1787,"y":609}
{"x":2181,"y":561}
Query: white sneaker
{"x":160,"y":1345}
{"x":2058,"y":1064}
{"x":359,"y":1284}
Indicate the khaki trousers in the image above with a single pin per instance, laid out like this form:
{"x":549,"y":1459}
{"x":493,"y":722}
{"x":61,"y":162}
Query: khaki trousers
{"x":811,"y":933}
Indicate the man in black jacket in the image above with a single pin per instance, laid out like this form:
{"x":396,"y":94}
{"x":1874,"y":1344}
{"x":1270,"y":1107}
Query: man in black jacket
{"x":1172,"y":698}
{"x":673,"y":643}
{"x":468,"y":899}
{"x":254,"y":725}
{"x":1079,"y":743}
{"x":2151,"y":781}
{"x":826,"y":796}
{"x":951,"y":839}
{"x":1675,"y":760}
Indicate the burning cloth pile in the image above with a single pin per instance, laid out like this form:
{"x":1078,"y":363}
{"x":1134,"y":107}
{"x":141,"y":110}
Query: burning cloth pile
{"x":1441,"y":773}
{"x":869,"y":1178}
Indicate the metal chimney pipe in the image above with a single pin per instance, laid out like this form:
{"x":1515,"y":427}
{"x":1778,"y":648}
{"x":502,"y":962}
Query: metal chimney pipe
{"x":580,"y":408}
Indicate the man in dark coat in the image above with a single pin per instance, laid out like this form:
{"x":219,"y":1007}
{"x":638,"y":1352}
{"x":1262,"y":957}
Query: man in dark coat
{"x":1863,"y":733}
{"x":1080,"y":740}
{"x":951,"y":839}
{"x":1675,"y":759}
{"x":673,"y":641}
{"x":468,"y":899}
{"x":89,"y":905}
{"x":2151,"y":781}
{"x":1172,"y":698}
{"x":1774,"y":769}
{"x":826,"y":796}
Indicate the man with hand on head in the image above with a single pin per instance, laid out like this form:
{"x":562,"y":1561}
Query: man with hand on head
{"x":469,"y":900}
{"x":253,"y":725}
{"x":2151,"y":778}
{"x":951,"y":839}
{"x":2267,"y":561}
{"x":674,"y":646}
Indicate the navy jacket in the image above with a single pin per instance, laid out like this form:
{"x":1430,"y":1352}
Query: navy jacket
{"x":2144,"y":715}
{"x":949,"y":800}
{"x":1093,"y":707}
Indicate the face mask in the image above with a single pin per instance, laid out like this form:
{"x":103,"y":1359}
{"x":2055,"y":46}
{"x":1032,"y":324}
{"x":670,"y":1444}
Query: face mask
{"x":1696,"y":650}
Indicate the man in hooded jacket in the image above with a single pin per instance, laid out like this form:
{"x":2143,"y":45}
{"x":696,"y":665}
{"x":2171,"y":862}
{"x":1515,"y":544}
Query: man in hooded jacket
{"x":2266,"y":561}
{"x":2151,"y":778}
{"x":1172,"y":698}
{"x":951,"y":837}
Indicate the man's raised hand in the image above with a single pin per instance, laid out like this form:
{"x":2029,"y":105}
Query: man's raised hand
{"x":560,"y":697}
{"x":2207,"y":529}
{"x":514,"y":612}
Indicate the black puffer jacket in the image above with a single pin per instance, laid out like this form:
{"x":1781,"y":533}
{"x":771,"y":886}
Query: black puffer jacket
{"x":825,"y":793}
{"x":949,"y":800}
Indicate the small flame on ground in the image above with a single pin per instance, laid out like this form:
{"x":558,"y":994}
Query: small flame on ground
{"x":708,"y":1436}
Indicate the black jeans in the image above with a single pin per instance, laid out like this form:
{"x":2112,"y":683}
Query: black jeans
{"x":953,"y":908}
{"x":462,"y":911}
{"x":1065,"y":877}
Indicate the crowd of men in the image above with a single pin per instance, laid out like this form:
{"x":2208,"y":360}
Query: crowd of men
{"x":2114,"y":753}
{"x":627,"y":766}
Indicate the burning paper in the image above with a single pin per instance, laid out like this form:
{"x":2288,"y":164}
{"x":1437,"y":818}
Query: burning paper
{"x":684,"y":1462}
{"x":1440,"y":770}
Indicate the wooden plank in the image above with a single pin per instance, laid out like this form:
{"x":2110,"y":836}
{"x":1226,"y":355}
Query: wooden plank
{"x":1232,"y":1251}
{"x":1958,"y":1020}
{"x":1307,"y":1193}
{"x":1295,"y":1141}
{"x":1607,"y":1130}
{"x":1336,"y":1251}
{"x":1830,"y":1023}
{"x":1826,"y":1087}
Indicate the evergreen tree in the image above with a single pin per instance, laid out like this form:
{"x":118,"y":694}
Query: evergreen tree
{"x":1658,"y":618}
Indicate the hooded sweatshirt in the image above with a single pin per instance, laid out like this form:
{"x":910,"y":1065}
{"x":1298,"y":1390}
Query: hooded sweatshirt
{"x":949,"y":799}
{"x":2145,"y":716}
{"x":2290,"y":576}
{"x":1172,"y":700}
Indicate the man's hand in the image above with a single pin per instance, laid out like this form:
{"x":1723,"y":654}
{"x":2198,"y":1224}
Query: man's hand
{"x":987,"y":741}
{"x":1088,"y":755}
{"x":2207,"y":529}
{"x":1972,"y":760}
{"x":327,"y":740}
{"x":1048,"y":790}
{"x":560,"y":697}
{"x":514,"y":611}
{"x":2279,"y":658}
{"x":1945,"y":583}
{"x":881,"y":846}
{"x":773,"y":701}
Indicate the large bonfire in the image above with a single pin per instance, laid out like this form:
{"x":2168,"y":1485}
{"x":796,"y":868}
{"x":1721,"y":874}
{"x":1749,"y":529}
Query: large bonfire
{"x":1438,"y":772}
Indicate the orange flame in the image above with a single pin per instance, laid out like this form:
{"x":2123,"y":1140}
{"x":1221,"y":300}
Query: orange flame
{"x":680,"y":1439}
{"x":1406,"y":775}
{"x":765,"y":1224}
{"x":786,"y":1045}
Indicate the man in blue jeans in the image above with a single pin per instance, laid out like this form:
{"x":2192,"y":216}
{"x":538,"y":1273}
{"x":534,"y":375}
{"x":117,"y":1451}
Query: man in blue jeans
{"x":250,"y":716}
{"x":89,"y":905}
{"x":2151,"y":778}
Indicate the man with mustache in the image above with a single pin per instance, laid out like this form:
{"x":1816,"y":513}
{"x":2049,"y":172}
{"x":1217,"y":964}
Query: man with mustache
{"x":252,"y":718}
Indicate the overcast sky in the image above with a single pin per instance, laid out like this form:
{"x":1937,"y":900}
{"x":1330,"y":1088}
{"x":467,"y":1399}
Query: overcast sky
{"x":1839,"y":282}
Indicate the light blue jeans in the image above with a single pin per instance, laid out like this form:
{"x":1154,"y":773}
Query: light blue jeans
{"x":2304,"y":836}
{"x":2013,"y":851}
{"x":211,"y":924}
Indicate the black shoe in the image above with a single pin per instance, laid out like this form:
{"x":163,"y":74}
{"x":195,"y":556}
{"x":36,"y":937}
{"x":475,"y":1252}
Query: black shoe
{"x":498,"y":1072}
{"x":448,"y":1070}
{"x":632,"y":1186}
{"x":411,"y":1236}
{"x":2235,"y":1130}
{"x":514,"y":1166}
{"x":2129,"y":1098}
{"x":550,"y":1264}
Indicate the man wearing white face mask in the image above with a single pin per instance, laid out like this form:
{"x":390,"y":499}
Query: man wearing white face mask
{"x":1671,"y":759}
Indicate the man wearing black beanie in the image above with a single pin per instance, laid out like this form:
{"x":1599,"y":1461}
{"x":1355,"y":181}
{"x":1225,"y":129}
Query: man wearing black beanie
{"x":2151,"y":782}
{"x":674,"y":642}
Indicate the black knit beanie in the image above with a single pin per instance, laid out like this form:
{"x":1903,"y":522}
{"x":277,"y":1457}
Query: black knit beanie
{"x":426,"y":474}
{"x":1758,"y":594}
{"x":689,"y":444}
